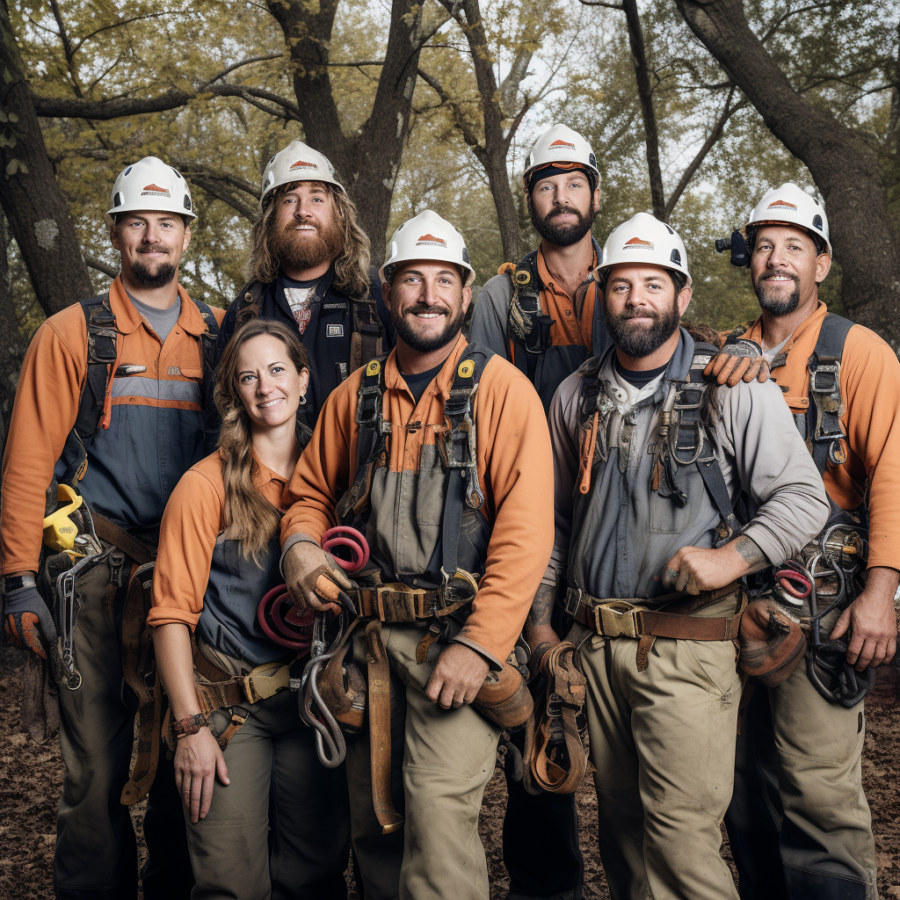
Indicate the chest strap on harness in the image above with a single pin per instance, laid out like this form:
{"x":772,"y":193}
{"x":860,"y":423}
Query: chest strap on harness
{"x":529,"y":327}
{"x":373,"y":431}
{"x":825,"y":404}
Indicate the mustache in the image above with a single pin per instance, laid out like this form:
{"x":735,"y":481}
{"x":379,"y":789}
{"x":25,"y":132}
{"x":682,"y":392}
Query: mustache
{"x":639,"y":314}
{"x":562,"y":211}
{"x":155,"y":248}
{"x":793,"y":278}
{"x":423,"y":308}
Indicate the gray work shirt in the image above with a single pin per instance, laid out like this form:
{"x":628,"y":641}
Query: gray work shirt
{"x":162,"y":321}
{"x":625,"y":532}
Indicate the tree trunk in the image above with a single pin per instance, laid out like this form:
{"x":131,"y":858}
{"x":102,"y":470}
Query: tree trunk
{"x":31,"y":199}
{"x":12,"y":344}
{"x":645,"y":95}
{"x":846,"y":170}
{"x":368,"y":162}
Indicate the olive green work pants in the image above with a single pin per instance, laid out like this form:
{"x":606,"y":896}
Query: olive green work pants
{"x":441,"y":762}
{"x":96,"y":850}
{"x":277,"y":782}
{"x":663,"y":744}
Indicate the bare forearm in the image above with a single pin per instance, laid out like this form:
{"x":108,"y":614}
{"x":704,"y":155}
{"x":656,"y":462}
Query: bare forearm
{"x":882,"y":581}
{"x":754,"y":559}
{"x":172,"y":646}
{"x":541,"y":606}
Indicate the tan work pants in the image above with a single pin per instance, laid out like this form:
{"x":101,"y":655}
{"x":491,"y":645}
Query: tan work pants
{"x":799,"y":802}
{"x":441,"y":762}
{"x":277,"y":782}
{"x":663,"y":741}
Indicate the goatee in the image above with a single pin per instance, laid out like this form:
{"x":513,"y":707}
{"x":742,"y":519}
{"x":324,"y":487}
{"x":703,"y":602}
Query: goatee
{"x":778,"y":307}
{"x":160,"y":278}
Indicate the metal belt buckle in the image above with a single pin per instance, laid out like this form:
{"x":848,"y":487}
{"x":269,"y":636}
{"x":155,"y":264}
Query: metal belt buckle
{"x":616,"y":619}
{"x":460,"y":586}
{"x":572,"y":601}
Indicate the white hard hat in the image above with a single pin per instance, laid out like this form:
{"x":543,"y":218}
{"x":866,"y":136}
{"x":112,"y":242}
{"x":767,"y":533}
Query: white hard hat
{"x":644,"y":239}
{"x":560,"y":144}
{"x":297,"y":162}
{"x":791,"y":205}
{"x":427,"y":236}
{"x":150,"y":185}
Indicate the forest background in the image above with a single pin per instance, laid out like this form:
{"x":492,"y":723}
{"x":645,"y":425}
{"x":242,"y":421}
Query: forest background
{"x":693,"y":107}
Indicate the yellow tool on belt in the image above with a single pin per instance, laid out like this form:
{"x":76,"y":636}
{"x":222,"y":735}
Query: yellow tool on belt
{"x":59,"y":530}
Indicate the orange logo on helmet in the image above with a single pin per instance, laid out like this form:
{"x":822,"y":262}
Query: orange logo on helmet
{"x":154,"y":190}
{"x":300,"y":164}
{"x":562,"y":145}
{"x":637,"y":243}
{"x":782,"y":204}
{"x":431,"y":240}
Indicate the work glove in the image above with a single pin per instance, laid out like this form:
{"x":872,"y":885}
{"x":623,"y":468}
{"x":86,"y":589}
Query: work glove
{"x":28,"y":622}
{"x":315,"y":580}
{"x":741,"y":360}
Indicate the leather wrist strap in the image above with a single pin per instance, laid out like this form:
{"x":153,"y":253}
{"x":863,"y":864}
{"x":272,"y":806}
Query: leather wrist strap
{"x":15,"y":582}
{"x":189,"y":725}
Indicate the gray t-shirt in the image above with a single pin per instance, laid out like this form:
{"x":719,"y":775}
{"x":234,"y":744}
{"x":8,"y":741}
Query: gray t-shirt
{"x":162,"y":321}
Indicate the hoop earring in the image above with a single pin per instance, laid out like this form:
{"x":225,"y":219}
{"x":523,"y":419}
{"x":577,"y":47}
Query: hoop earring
{"x":303,"y":400}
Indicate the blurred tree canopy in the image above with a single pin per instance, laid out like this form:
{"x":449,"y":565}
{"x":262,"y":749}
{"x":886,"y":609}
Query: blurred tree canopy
{"x":436,"y":104}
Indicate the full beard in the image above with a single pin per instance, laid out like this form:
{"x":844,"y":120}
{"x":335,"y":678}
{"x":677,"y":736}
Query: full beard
{"x":562,"y":235}
{"x":164,"y":274}
{"x":306,"y":250}
{"x":638,"y":342}
{"x":421,"y":344}
{"x":777,"y":307}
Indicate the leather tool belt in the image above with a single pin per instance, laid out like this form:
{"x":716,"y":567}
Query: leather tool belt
{"x":628,"y":618}
{"x":397,"y":603}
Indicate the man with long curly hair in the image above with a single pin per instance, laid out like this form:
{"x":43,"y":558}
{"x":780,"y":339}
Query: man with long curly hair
{"x":309,"y":268}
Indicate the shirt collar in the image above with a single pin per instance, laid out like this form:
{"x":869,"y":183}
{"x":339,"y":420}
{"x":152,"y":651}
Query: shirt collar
{"x":128,"y":319}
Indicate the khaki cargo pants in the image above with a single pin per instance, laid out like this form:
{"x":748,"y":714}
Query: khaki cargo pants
{"x":277,"y":783}
{"x":441,"y":762}
{"x":799,"y":824}
{"x":663,"y":741}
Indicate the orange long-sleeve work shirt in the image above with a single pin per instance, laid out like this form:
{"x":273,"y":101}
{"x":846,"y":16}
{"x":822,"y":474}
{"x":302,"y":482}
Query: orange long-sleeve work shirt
{"x":515,"y":471}
{"x":150,"y":435}
{"x":193,"y":520}
{"x":870,"y":390}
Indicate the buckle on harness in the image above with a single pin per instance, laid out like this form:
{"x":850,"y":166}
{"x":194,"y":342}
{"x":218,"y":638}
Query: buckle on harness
{"x":572,"y":601}
{"x":617,"y":618}
{"x":460,"y":587}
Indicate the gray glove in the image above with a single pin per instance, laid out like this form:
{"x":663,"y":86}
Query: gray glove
{"x":28,"y":622}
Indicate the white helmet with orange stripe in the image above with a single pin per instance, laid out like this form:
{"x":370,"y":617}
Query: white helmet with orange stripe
{"x":297,"y":162}
{"x":644,"y":239}
{"x":791,"y":205}
{"x":150,"y":185}
{"x":427,"y":236}
{"x":563,"y":147}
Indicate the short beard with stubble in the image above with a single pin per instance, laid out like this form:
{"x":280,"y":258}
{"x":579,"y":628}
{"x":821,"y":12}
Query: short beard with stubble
{"x":562,"y":235}
{"x":426,"y":345}
{"x":640,"y":342}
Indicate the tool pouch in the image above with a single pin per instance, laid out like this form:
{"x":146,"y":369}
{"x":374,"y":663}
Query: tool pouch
{"x":504,"y":698}
{"x":343,"y":690}
{"x":771,"y":641}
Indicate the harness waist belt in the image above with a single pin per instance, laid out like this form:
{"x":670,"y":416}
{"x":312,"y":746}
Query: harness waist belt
{"x":625,"y":618}
{"x":223,"y":689}
{"x":118,"y":537}
{"x":400,"y":603}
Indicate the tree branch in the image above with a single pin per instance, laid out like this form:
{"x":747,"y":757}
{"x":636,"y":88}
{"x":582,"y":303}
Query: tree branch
{"x":245,"y":62}
{"x":468,"y":134}
{"x":602,"y":3}
{"x":96,"y":263}
{"x":213,"y":186}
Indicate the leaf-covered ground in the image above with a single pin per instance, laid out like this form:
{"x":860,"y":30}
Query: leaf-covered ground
{"x":31,"y":776}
